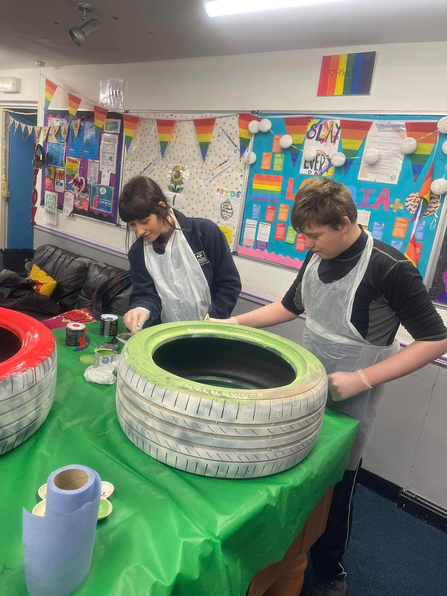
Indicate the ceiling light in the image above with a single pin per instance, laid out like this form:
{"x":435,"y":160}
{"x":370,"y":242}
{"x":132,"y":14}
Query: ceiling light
{"x":217,"y":8}
{"x":79,"y":34}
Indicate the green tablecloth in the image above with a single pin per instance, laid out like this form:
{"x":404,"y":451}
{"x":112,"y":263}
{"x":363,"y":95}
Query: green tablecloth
{"x":170,"y":532}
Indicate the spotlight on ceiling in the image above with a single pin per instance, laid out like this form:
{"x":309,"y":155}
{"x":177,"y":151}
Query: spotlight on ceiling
{"x":79,"y":34}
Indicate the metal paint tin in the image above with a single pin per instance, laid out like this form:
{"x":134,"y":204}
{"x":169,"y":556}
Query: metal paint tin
{"x":109,"y":325}
{"x":104,"y":356}
{"x":75,"y":335}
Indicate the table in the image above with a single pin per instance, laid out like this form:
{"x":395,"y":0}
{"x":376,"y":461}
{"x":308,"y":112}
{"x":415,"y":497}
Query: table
{"x":170,"y":532}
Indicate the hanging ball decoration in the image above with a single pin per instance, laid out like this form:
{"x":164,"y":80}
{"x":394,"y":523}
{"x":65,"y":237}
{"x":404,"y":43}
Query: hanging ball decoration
{"x":444,"y":147}
{"x":265,"y":125}
{"x":442,"y":125}
{"x":286,"y":141}
{"x":250,"y":157}
{"x":338,"y":159}
{"x":253,"y":127}
{"x":439,"y":186}
{"x":371,"y":156}
{"x":408,"y":146}
{"x":309,"y":154}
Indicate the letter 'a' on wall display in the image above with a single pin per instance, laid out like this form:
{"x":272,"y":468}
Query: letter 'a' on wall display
{"x":347,"y":74}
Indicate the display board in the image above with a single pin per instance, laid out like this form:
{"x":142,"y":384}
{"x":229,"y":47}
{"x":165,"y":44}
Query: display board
{"x":82,"y":173}
{"x":387,"y":193}
{"x":196,"y":161}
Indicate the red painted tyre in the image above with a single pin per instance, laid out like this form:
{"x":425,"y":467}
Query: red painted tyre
{"x":28,"y":368}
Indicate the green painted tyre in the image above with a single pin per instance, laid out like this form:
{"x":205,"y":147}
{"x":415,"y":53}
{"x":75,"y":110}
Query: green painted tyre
{"x":220,"y":400}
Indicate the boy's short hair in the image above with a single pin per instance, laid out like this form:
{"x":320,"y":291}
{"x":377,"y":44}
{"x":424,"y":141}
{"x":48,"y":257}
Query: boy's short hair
{"x":322,"y":202}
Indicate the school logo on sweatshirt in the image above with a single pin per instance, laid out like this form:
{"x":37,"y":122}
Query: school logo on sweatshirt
{"x":202,"y":258}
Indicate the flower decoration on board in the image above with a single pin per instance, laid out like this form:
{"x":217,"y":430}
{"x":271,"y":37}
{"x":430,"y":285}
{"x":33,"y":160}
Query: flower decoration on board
{"x":177,"y":179}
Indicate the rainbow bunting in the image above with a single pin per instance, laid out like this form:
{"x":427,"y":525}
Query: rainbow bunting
{"x":426,"y":132}
{"x":100,"y":117}
{"x":411,"y":251}
{"x":266,"y":188}
{"x":353,"y":133}
{"x":244,"y":134}
{"x":296,"y":128}
{"x":204,"y":131}
{"x":165,"y":128}
{"x":347,"y":74}
{"x":50,"y":90}
{"x":73,"y":106}
{"x":130,"y":124}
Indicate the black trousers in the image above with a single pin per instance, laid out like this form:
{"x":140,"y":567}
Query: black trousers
{"x":327,"y":553}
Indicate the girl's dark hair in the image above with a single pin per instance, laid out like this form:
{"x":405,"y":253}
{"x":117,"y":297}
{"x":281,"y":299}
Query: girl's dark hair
{"x":140,"y":198}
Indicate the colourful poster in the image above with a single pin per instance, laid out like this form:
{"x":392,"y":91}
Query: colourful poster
{"x":300,"y":243}
{"x":276,"y":147}
{"x":263,"y":236}
{"x":283,"y":212}
{"x":347,"y":74}
{"x":59,"y":180}
{"x":75,"y":142}
{"x":270,"y":213}
{"x":386,"y":138}
{"x":280,"y":233}
{"x":323,"y":135}
{"x":400,"y":227}
{"x":101,"y":198}
{"x":278,"y":162}
{"x":250,"y":232}
{"x":50,"y":172}
{"x":266,"y":161}
{"x":55,"y":154}
{"x":266,"y":188}
{"x":72,"y":166}
{"x":398,"y":244}
{"x":91,"y":142}
{"x":378,"y":230}
{"x":228,"y":233}
{"x":256,"y":211}
{"x":291,"y":235}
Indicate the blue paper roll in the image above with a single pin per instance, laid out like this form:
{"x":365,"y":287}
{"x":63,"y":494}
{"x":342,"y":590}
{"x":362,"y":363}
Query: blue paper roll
{"x":58,"y":548}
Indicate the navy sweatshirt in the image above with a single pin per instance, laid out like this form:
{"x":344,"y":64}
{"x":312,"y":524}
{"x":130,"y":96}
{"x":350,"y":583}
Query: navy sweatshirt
{"x":212,"y":252}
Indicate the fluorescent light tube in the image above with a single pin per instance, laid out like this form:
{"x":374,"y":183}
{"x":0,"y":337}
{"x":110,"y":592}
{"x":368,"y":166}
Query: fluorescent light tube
{"x":217,"y":8}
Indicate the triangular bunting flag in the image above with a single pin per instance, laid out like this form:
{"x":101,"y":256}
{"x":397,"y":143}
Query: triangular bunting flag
{"x":16,"y":124}
{"x":50,"y":90}
{"x":75,"y":126}
{"x":10,"y":121}
{"x":426,"y":135}
{"x":30,"y":129}
{"x":204,"y":131}
{"x":100,"y":116}
{"x":22,"y":126}
{"x":244,"y":134}
{"x":411,"y":250}
{"x":73,"y":106}
{"x":353,"y":133}
{"x":64,"y":131}
{"x":130,"y":124}
{"x":37,"y":131}
{"x":165,"y":128}
{"x":296,"y":128}
{"x":53,"y":131}
{"x":44,"y":133}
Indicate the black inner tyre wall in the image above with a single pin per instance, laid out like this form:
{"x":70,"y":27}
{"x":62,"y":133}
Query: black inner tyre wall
{"x":10,"y":344}
{"x":233,"y":361}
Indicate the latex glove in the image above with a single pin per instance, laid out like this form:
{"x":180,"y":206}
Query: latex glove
{"x":135,"y":318}
{"x":232,"y":320}
{"x":343,"y":385}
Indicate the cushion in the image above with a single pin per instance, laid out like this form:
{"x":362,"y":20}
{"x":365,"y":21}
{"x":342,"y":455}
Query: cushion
{"x":80,"y":315}
{"x":45,"y":284}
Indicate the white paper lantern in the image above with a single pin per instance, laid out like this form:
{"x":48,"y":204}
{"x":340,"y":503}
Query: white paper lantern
{"x":442,"y":125}
{"x":309,"y":154}
{"x":253,"y":127}
{"x":338,"y":159}
{"x":286,"y":141}
{"x":265,"y":125}
{"x":408,"y":146}
{"x":439,"y":186}
{"x":371,"y":156}
{"x":250,"y":157}
{"x":444,"y":147}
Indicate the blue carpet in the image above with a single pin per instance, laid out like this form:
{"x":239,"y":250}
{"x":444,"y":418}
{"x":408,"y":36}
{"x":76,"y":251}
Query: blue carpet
{"x":392,"y":553}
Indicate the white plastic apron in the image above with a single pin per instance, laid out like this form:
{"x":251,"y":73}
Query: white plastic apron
{"x":334,"y":340}
{"x":179,"y":280}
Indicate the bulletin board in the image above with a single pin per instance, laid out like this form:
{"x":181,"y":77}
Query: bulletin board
{"x":82,"y":173}
{"x":200,"y":180}
{"x":386,"y":194}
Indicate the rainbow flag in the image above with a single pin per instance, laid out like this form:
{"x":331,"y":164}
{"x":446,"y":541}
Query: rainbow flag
{"x":130,"y":124}
{"x":204,"y":131}
{"x":244,"y":134}
{"x":267,"y":188}
{"x":426,"y":135}
{"x":73,"y":106}
{"x":347,"y":74}
{"x":165,"y":128}
{"x":296,"y":128}
{"x":50,"y":90}
{"x":100,"y":116}
{"x":353,"y":133}
{"x":424,"y":193}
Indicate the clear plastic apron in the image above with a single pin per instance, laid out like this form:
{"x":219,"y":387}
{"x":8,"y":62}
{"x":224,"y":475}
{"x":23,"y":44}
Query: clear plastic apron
{"x":179,"y":280}
{"x":334,"y":340}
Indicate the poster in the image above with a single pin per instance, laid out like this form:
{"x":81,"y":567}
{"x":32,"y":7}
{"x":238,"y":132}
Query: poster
{"x":249,"y":232}
{"x":226,"y":207}
{"x":50,"y":173}
{"x":75,"y":143}
{"x":92,"y":172}
{"x":101,"y":198}
{"x":323,"y":135}
{"x":50,"y":208}
{"x":91,"y":142}
{"x":59,"y":180}
{"x":108,"y":153}
{"x":112,"y":125}
{"x":68,"y":203}
{"x":55,"y":154}
{"x":72,"y":166}
{"x":386,"y":137}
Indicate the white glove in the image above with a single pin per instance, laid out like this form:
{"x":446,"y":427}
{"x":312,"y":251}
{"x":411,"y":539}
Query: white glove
{"x":135,"y":318}
{"x":232,"y":320}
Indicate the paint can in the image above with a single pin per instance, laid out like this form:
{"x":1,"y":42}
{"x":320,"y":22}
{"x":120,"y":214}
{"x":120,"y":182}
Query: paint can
{"x":109,"y":325}
{"x":75,"y":335}
{"x":104,"y":356}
